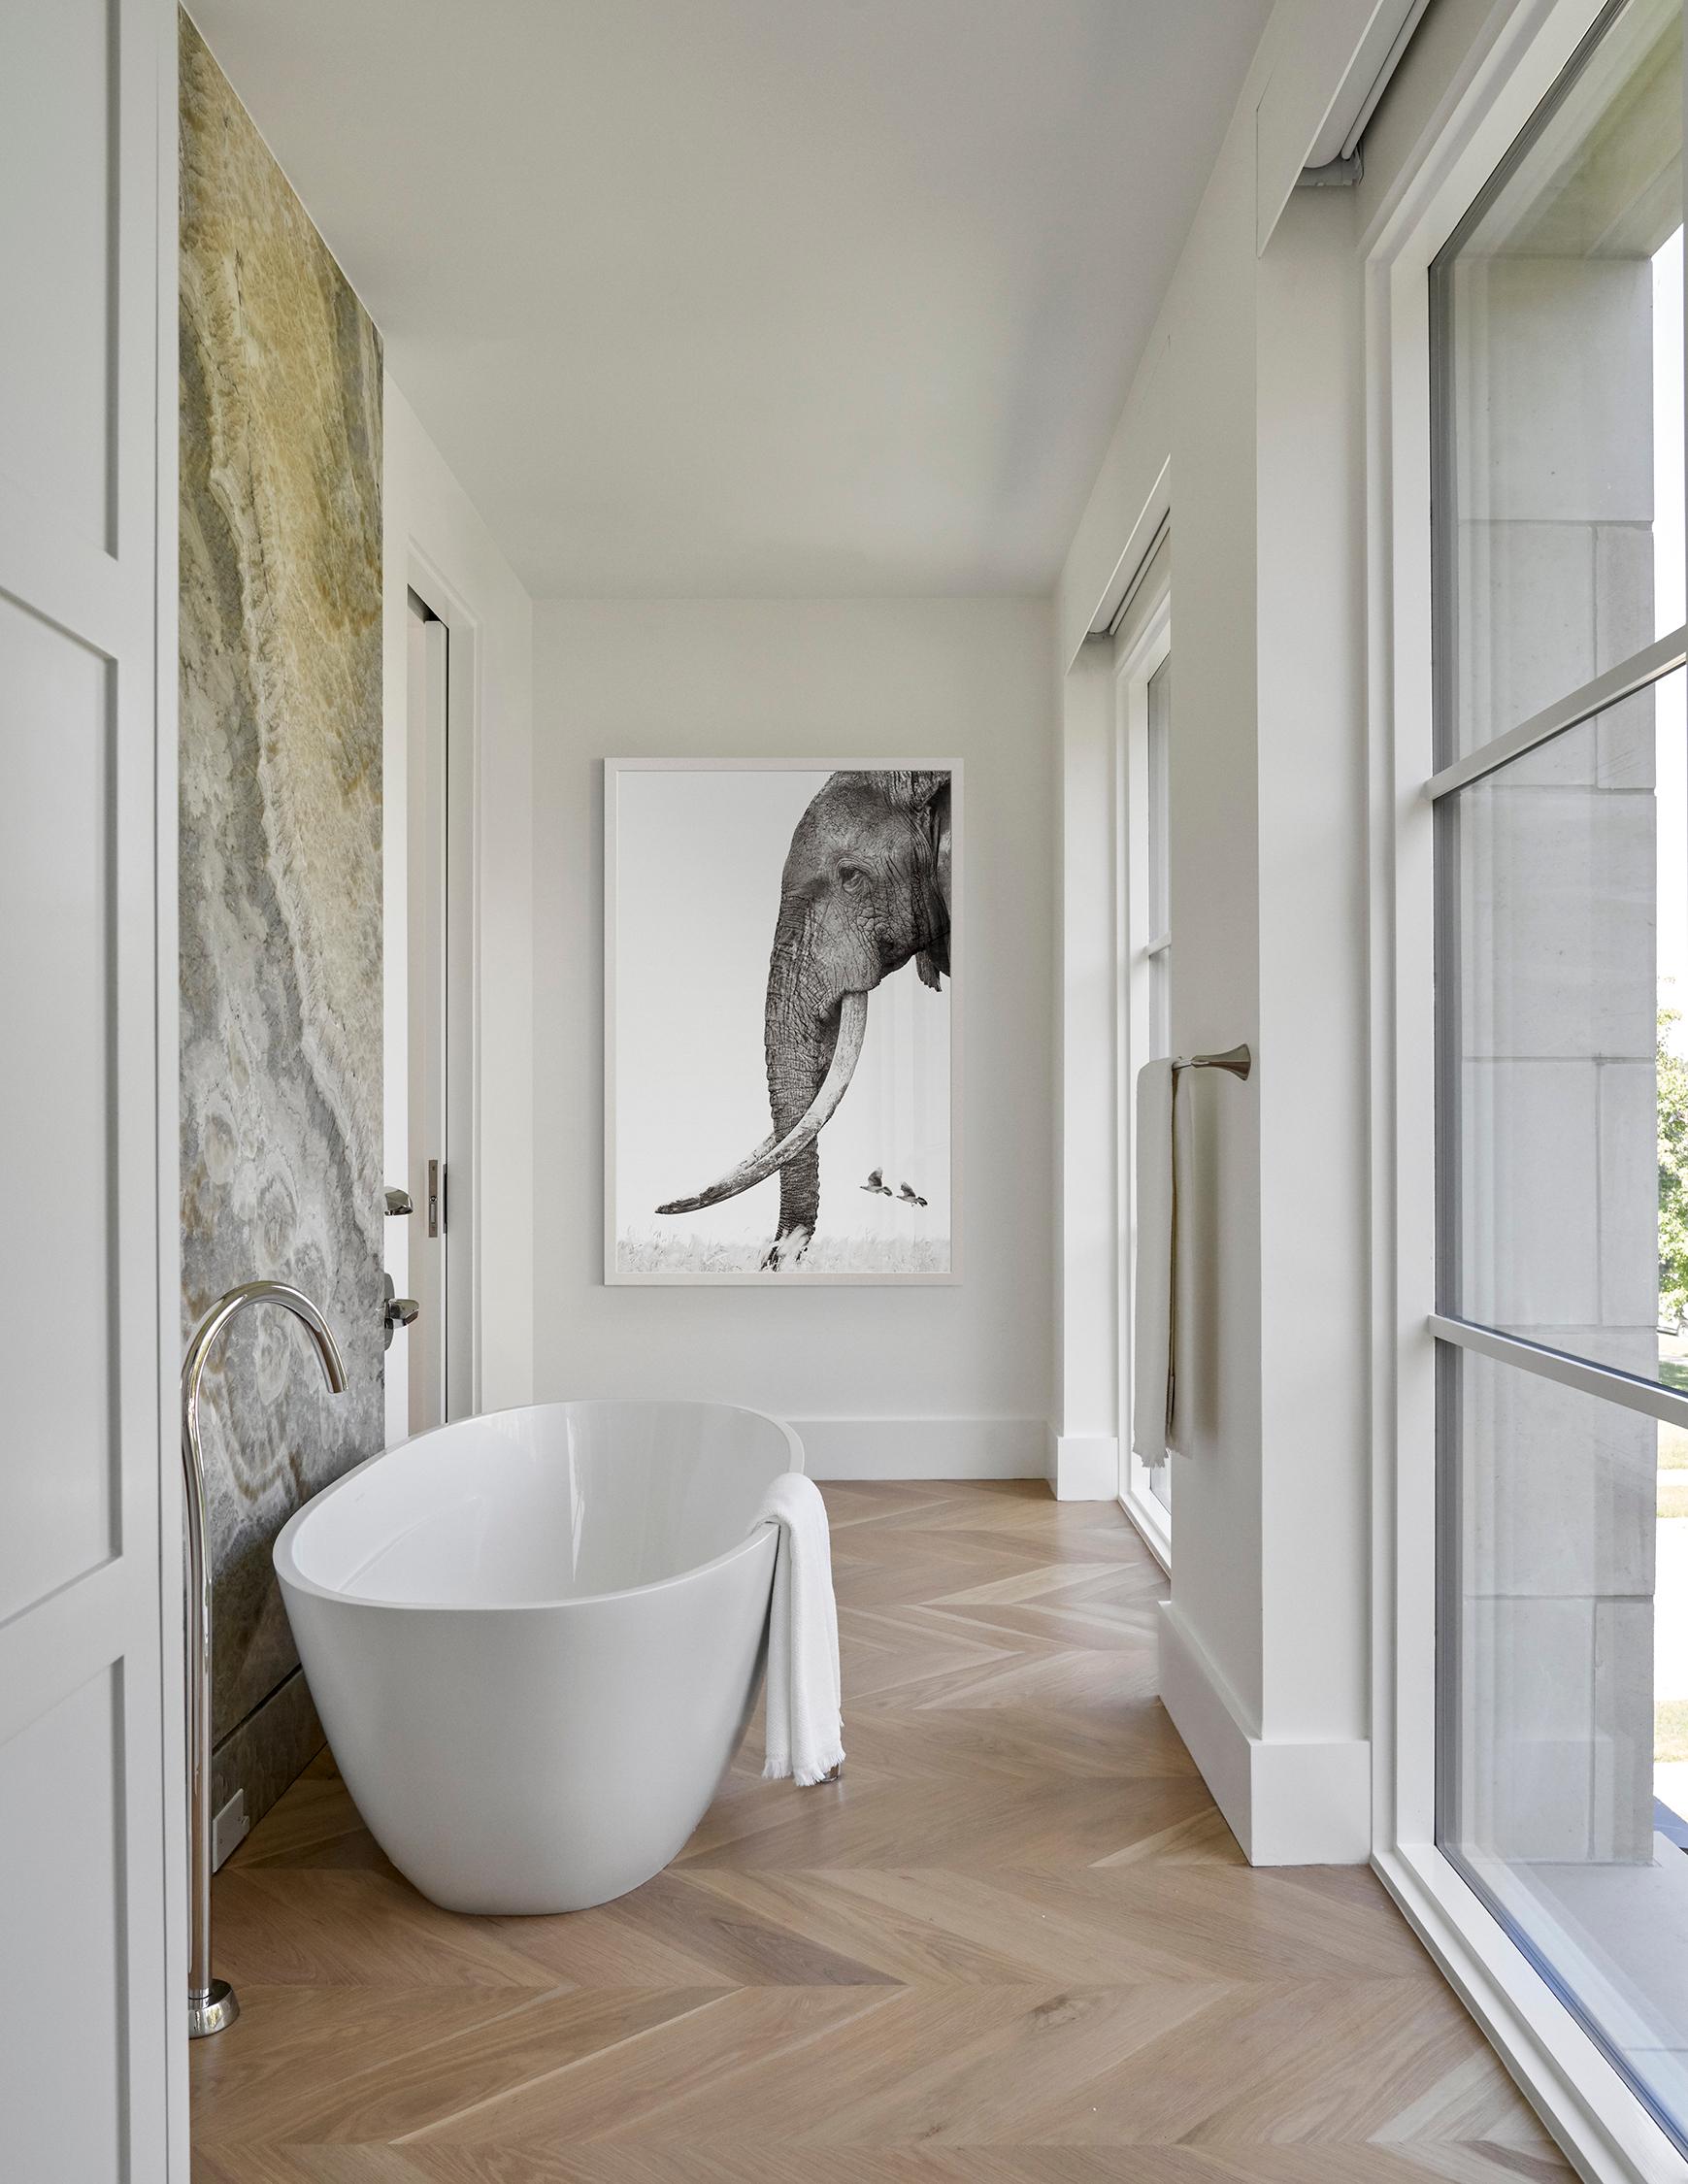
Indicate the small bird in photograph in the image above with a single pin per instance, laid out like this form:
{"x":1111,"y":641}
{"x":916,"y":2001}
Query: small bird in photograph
{"x":910,"y":1196}
{"x":878,"y":1184}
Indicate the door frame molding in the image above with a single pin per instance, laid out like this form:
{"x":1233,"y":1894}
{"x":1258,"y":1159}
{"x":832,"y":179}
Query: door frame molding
{"x":1136,"y":667}
{"x":435,"y":544}
{"x":110,"y":590}
{"x":172,"y":1525}
{"x":465,"y":713}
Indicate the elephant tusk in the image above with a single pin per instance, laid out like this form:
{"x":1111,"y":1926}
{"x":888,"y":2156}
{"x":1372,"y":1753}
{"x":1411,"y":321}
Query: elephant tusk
{"x":852,"y":1024}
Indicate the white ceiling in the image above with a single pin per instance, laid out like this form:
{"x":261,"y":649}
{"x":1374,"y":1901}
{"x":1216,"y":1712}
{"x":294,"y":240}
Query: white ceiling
{"x":752,"y":297}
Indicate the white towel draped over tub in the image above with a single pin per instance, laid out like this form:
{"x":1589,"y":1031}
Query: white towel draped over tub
{"x":1155,"y":1276}
{"x":805,"y":1726}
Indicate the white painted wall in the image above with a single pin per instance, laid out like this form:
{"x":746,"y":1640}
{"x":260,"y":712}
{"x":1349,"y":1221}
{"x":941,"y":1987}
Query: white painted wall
{"x":910,"y":1382}
{"x":1190,"y":414}
{"x":1311,"y":656}
{"x":436,"y":541}
{"x":1245,"y":417}
{"x":1085,"y":1431}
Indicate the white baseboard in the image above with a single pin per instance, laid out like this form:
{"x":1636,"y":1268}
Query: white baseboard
{"x":922,"y":1447}
{"x":1287,"y":1803}
{"x":1204,"y":1716}
{"x":1084,"y":1467}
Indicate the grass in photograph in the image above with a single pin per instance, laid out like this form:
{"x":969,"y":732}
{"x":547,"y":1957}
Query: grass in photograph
{"x":649,"y":1251}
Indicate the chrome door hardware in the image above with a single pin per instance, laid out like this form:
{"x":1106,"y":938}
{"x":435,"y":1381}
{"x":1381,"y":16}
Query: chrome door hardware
{"x":399,"y":1202}
{"x":396,"y":1311}
{"x":436,"y":1196}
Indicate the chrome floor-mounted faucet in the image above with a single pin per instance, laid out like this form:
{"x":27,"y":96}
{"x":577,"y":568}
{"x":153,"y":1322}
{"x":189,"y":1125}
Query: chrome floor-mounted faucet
{"x":211,"y":2002}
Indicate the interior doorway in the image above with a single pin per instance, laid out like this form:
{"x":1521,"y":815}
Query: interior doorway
{"x":440,"y":1365}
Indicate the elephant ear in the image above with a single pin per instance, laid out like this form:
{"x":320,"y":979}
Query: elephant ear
{"x":926,"y":796}
{"x":931,"y":963}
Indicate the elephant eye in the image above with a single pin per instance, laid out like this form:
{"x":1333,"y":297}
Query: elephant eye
{"x":852,"y":878}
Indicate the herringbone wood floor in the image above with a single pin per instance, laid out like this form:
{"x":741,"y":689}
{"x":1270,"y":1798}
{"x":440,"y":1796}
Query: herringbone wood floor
{"x":1016,"y":1946}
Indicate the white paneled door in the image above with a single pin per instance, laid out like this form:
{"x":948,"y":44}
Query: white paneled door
{"x":92,"y":1981}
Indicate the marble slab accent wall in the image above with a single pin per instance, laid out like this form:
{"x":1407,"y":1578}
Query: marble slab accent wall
{"x":281,"y":874}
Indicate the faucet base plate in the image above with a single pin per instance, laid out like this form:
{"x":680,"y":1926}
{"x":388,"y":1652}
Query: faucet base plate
{"x":214,"y":2012}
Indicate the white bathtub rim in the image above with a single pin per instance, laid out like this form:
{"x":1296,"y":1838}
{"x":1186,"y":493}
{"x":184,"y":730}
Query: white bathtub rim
{"x":286,"y":1561}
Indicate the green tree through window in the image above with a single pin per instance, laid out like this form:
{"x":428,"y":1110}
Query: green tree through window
{"x":1673,"y":1079}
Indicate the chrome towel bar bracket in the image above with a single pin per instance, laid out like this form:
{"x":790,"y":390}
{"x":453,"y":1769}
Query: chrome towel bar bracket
{"x":1237,"y":1059}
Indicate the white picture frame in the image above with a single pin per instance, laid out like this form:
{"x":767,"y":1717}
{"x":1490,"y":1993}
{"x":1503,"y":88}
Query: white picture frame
{"x":693,"y":850}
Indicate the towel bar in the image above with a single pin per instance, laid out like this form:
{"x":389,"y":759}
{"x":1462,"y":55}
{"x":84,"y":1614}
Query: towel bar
{"x":1237,"y":1059}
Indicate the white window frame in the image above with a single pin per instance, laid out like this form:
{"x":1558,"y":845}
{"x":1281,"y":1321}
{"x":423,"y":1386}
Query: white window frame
{"x":1146,"y":652}
{"x":1605,"y":2128}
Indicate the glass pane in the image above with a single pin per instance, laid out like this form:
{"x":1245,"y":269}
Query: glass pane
{"x":1563,"y":1792}
{"x":1564,"y":1008}
{"x":1160,"y":1003}
{"x":1160,"y":969}
{"x":1160,"y":721}
{"x":1558,"y":401}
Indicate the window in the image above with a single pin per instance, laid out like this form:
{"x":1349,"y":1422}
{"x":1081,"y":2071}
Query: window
{"x":1144,"y":710}
{"x":1157,"y":946}
{"x":1562,"y":1060}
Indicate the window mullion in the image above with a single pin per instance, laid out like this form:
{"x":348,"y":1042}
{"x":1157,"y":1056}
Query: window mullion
{"x":1652,"y":1398}
{"x":1642,"y":668}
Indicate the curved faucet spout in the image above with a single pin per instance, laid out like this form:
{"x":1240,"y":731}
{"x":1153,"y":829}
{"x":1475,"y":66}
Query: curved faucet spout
{"x":205,"y":1335}
{"x":211,"y":2002}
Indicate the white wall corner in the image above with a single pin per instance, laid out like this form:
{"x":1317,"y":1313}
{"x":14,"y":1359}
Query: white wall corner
{"x":923,"y":1448}
{"x":1084,"y":1467}
{"x":1086,"y":1110}
{"x":1287,"y":1802}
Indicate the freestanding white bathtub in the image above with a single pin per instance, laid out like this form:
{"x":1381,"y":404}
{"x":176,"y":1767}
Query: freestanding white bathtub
{"x":535,"y":1640}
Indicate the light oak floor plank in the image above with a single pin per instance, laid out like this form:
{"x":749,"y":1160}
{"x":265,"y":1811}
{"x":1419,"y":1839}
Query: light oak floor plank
{"x":1016,"y":1944}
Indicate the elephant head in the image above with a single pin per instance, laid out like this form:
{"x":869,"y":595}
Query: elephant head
{"x":864,"y":890}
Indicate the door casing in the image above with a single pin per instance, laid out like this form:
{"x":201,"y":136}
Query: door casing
{"x":437,"y":946}
{"x":93,"y":1836}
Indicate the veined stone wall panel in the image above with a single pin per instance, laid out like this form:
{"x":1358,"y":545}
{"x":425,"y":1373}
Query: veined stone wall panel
{"x":280,"y":872}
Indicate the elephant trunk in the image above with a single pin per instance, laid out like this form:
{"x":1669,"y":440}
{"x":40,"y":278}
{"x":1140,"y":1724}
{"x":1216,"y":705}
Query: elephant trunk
{"x":843,"y":1043}
{"x":800,"y":1039}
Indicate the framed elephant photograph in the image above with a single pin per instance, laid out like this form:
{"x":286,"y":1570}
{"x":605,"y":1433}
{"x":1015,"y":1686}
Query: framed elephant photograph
{"x":781,"y":982}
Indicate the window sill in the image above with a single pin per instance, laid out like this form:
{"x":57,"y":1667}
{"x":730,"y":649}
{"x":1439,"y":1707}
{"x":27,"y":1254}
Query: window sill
{"x":1152,"y":1523}
{"x":1606,"y":2132}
